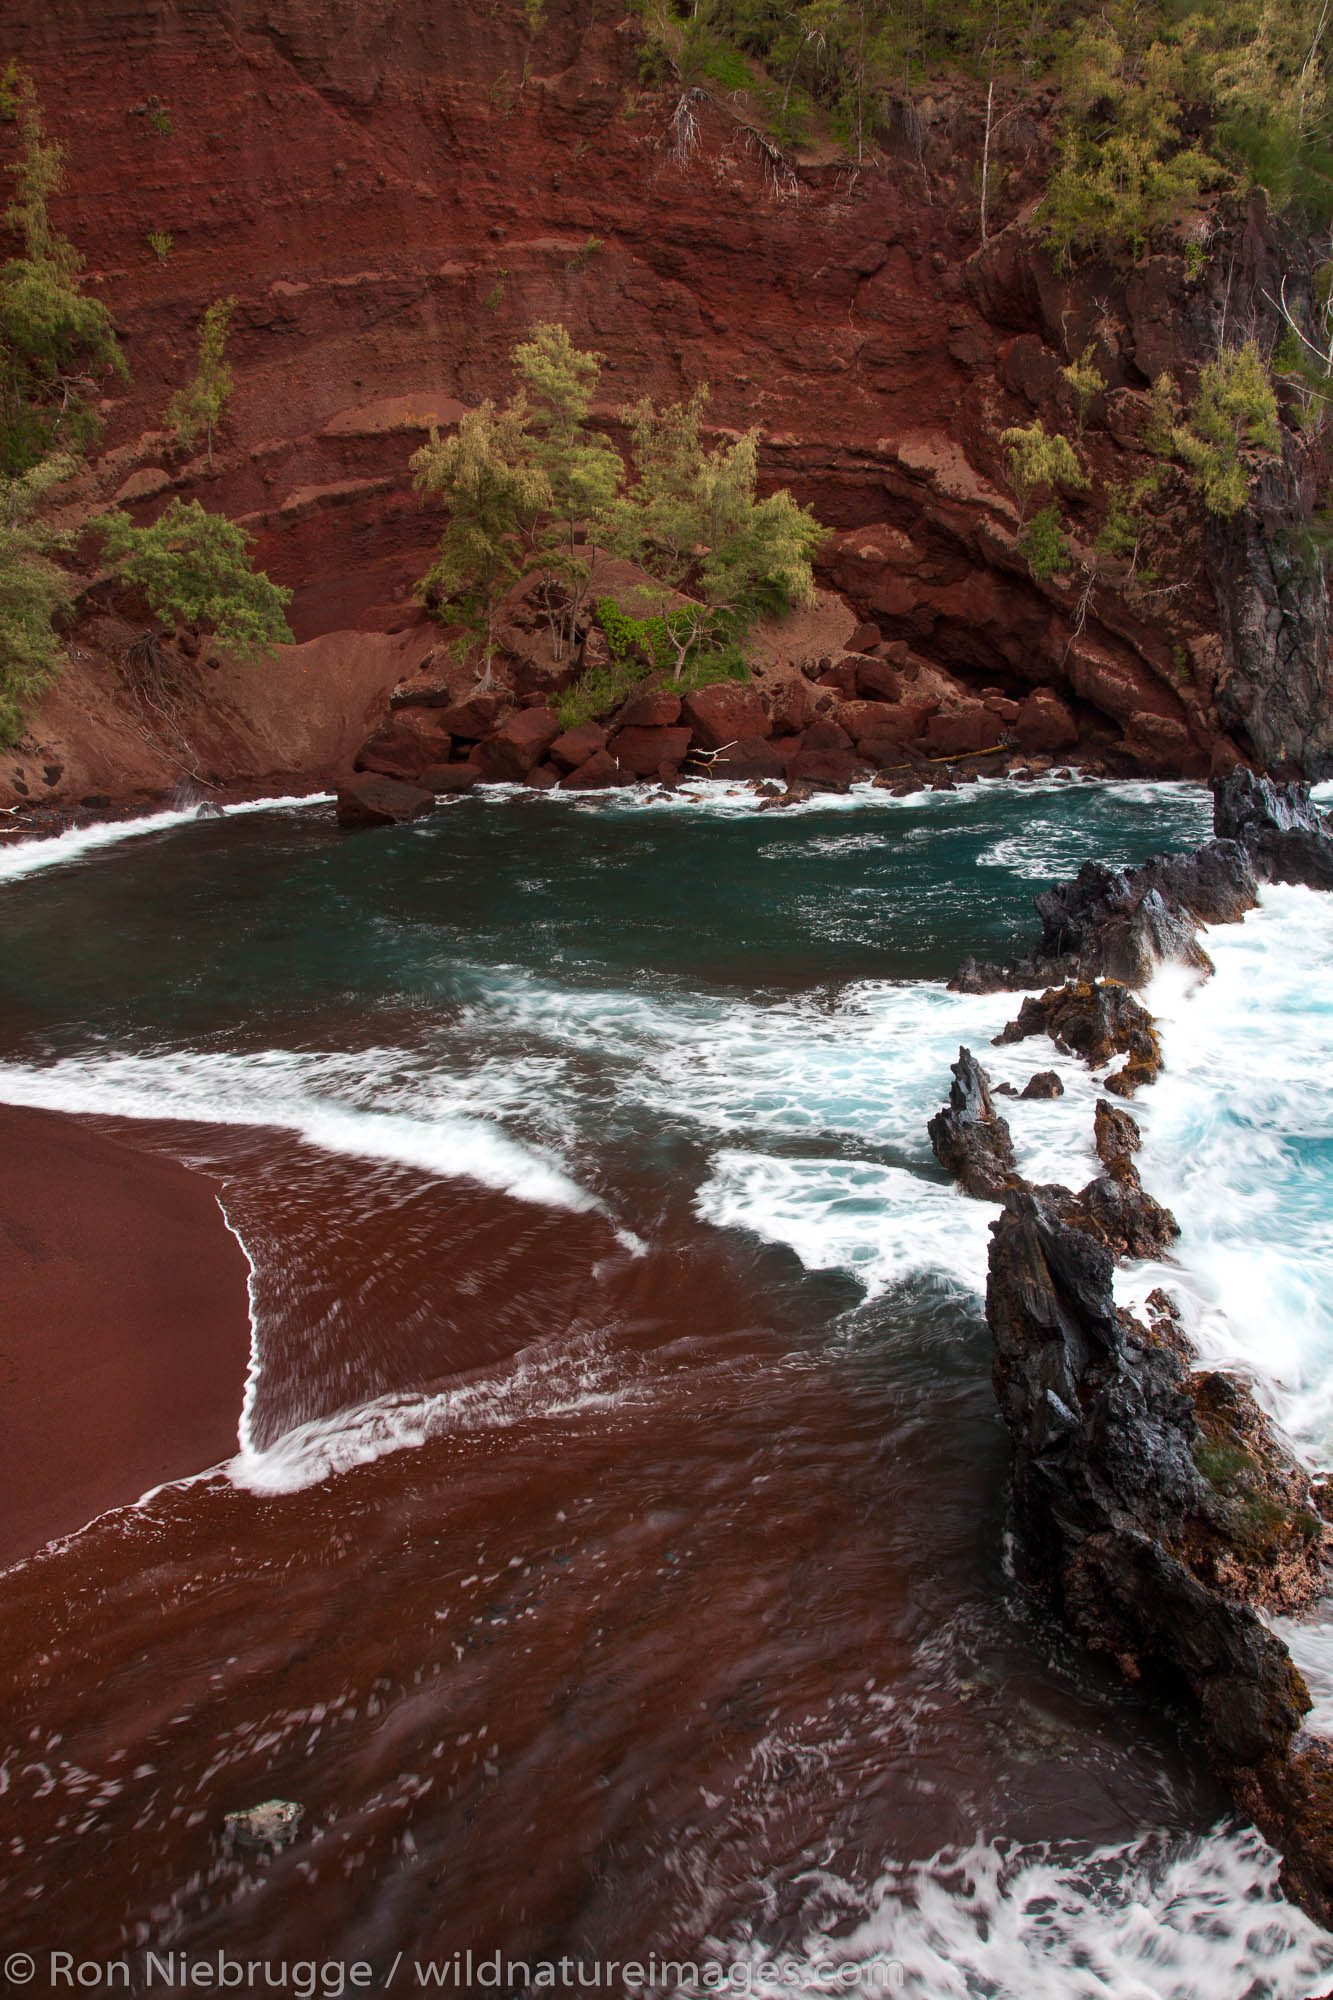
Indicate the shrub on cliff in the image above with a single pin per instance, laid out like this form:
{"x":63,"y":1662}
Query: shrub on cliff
{"x":692,"y":520}
{"x":194,"y":568}
{"x":582,"y":471}
{"x":1232,"y":418}
{"x":34,"y":590}
{"x":53,"y":341}
{"x":198,"y":407}
{"x":496,"y":494}
{"x":1039,"y":460}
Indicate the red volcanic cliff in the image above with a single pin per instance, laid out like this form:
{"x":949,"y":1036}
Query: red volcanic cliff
{"x":395,"y":192}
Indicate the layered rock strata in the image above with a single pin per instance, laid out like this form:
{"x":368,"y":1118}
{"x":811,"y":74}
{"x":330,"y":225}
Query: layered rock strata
{"x":393,"y":198}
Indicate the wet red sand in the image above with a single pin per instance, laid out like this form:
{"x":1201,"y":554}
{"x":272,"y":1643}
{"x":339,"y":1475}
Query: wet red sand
{"x":125,"y":1334}
{"x":660,"y":1619}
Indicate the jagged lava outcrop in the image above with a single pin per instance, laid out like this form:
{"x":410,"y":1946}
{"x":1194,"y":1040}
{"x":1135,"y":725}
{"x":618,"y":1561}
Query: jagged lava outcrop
{"x":394,"y":194}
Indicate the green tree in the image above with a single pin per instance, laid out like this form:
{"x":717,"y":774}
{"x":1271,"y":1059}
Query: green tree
{"x":34,"y":590}
{"x":54,"y":342}
{"x":496,"y":494}
{"x":581,"y":470}
{"x":1086,"y":380}
{"x":194,"y":568}
{"x":1234,"y":411}
{"x":1039,"y":460}
{"x":200,"y":404}
{"x":1123,"y":167}
{"x":692,"y":520}
{"x":1038,"y":457}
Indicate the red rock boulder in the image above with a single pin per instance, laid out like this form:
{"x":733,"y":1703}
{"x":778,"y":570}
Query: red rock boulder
{"x":449,"y":777}
{"x":476,"y":717}
{"x":752,"y":757}
{"x":405,"y":744}
{"x":371,"y":800}
{"x":645,"y":752}
{"x":953,"y":732}
{"x":828,"y":735}
{"x":424,"y":692}
{"x":577,"y":745}
{"x":520,"y":743}
{"x":793,"y":707}
{"x":725,"y":713}
{"x":841,"y":678}
{"x":600,"y":770}
{"x":827,"y":770}
{"x":658,"y":709}
{"x":876,"y":680}
{"x":1045,"y":723}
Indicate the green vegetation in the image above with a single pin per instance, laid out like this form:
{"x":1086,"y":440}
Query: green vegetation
{"x":648,"y":648}
{"x":34,"y":590}
{"x":10,"y":95}
{"x":533,"y":486}
{"x":581,"y":470}
{"x":692,"y":520}
{"x":54,"y":342}
{"x":1162,"y":99}
{"x":199,"y":406}
{"x":1128,"y":522}
{"x":585,"y":253}
{"x":194,"y":569}
{"x":1042,"y":542}
{"x":1124,"y":167}
{"x":1234,"y":412}
{"x":1087,"y":382}
{"x":1041,"y":460}
{"x":159,"y":121}
{"x":159,"y":242}
{"x":486,"y":475}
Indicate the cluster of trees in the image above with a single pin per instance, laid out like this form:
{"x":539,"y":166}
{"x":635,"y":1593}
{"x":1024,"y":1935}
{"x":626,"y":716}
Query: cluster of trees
{"x":1161,"y":97}
{"x":56,"y":345}
{"x":532,"y":486}
{"x":1230,"y":424}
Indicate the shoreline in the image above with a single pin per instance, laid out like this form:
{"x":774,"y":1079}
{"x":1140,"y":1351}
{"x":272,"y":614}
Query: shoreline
{"x":126,"y":1340}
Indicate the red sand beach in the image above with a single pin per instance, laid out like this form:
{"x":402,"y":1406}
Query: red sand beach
{"x":124,"y":1335}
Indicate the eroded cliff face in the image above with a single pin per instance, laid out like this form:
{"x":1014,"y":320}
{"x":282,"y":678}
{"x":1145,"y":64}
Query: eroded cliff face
{"x":395,"y":192}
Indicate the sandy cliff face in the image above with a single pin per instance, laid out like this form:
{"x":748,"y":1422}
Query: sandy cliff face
{"x":394,"y":193}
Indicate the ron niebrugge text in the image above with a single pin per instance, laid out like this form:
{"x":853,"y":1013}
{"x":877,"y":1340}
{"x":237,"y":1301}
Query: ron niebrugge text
{"x":463,"y":1972}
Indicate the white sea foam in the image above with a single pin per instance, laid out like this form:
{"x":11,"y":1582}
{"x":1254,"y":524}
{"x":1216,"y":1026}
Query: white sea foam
{"x":332,"y":1102}
{"x":26,"y":857}
{"x":1310,"y":1643}
{"x":724,"y":799}
{"x":1238,"y":1140}
{"x":881,"y":1224}
{"x":1155,"y":1919}
{"x":586,"y":1377}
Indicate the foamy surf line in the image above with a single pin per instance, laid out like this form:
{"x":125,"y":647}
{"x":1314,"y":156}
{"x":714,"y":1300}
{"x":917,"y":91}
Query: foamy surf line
{"x":1159,"y":1918}
{"x":1238,"y":1142}
{"x":26,"y":857}
{"x":727,"y":798}
{"x":581,"y":1379}
{"x":257,"y":1094}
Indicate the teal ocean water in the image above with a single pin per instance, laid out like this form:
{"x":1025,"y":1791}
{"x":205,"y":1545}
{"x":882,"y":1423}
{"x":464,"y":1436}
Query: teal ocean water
{"x":579,"y":1149}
